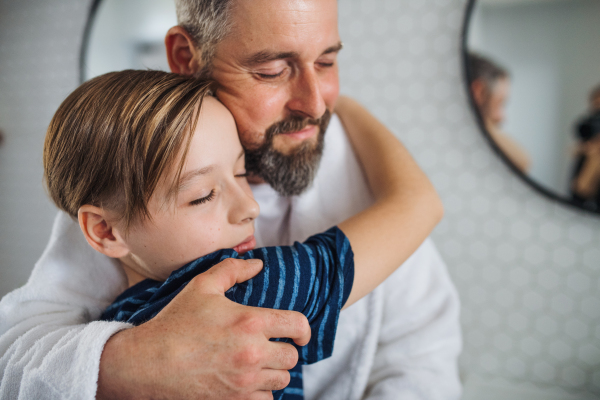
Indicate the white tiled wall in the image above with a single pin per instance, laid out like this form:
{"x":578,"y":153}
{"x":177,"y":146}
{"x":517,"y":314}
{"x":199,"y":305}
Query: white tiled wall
{"x":527,"y":270}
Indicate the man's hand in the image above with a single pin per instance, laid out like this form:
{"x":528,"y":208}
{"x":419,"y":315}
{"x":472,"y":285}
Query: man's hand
{"x":204,"y":346}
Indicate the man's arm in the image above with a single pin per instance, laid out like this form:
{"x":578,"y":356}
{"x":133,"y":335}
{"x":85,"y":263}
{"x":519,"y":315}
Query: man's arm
{"x":201,"y":346}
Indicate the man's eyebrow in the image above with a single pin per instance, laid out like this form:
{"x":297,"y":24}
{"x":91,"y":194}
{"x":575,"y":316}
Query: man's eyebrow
{"x":265,"y":56}
{"x":333,"y":49}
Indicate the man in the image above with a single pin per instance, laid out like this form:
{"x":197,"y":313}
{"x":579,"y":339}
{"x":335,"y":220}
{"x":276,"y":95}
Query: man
{"x":275,"y":63}
{"x":490,"y":87}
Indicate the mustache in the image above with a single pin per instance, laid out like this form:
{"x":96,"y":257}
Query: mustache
{"x":296,"y":123}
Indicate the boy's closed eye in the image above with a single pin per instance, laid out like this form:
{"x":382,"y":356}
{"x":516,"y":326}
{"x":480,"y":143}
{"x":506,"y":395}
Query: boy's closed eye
{"x":204,"y":199}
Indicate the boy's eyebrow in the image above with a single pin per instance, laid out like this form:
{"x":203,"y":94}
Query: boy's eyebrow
{"x":185,"y":179}
{"x":266,"y":56}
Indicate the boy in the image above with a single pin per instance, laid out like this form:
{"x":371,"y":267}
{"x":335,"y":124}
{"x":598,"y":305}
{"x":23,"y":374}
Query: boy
{"x":152,"y":168}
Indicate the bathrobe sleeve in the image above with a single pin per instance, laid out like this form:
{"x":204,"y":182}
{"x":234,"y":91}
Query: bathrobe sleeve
{"x":48,"y":347}
{"x":419,"y":338}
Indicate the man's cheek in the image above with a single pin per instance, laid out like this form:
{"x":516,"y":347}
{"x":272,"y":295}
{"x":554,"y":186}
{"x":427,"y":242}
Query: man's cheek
{"x":250,"y":139}
{"x":331,"y":91}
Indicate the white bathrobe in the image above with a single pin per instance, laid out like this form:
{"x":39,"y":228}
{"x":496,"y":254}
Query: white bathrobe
{"x":399,"y":342}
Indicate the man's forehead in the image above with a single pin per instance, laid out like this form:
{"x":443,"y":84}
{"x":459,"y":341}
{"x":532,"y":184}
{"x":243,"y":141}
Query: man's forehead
{"x":283,"y":25}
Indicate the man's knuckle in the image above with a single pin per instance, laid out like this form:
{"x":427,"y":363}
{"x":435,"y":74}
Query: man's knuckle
{"x":252,"y":324}
{"x":228,"y":263}
{"x":198,"y":281}
{"x":243,"y":381}
{"x":249,"y":357}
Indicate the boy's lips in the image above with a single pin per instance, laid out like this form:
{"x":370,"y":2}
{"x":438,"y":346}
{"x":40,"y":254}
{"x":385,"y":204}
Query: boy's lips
{"x":246,"y":245}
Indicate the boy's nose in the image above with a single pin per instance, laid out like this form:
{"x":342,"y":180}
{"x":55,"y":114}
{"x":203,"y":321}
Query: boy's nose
{"x":244,"y":208}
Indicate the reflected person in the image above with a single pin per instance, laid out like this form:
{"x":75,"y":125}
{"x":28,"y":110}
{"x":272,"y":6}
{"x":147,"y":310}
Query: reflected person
{"x":585,"y":182}
{"x":490,"y":87}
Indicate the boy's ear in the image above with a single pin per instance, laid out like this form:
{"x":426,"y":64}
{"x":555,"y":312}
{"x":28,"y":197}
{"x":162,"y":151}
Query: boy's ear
{"x":102,"y":235}
{"x":183,"y":56}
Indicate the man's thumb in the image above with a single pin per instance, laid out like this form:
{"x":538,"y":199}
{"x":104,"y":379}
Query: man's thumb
{"x":227,"y":273}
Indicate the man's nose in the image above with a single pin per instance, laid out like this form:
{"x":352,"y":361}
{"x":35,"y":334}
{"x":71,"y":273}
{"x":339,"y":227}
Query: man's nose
{"x":243,"y":208}
{"x":306,"y":96}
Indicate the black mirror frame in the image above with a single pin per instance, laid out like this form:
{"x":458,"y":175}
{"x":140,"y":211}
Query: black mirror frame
{"x":466,"y":75}
{"x":86,"y":38}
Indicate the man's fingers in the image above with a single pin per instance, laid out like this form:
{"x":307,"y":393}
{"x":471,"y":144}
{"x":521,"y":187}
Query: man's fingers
{"x":273,"y":379}
{"x":261,"y":395}
{"x":287,"y":324}
{"x":225,"y":274}
{"x":280,"y":356}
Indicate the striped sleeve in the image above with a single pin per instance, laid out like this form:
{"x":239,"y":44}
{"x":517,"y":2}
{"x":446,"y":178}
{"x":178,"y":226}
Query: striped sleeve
{"x":314,"y":278}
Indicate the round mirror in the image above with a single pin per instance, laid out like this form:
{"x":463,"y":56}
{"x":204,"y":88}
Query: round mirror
{"x":115,"y":41}
{"x":532,"y":70}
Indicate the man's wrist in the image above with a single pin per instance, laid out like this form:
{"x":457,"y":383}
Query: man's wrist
{"x":116,"y":378}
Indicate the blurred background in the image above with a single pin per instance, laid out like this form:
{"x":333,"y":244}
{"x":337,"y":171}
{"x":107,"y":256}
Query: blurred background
{"x":527,"y":268}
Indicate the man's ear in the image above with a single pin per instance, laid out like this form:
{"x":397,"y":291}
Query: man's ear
{"x":183,"y":56}
{"x":101,"y":234}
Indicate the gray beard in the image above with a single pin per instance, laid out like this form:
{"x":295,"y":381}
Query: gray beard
{"x":289,"y":174}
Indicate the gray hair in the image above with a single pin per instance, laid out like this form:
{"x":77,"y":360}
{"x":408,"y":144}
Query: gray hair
{"x":207,"y":22}
{"x":485,"y":69}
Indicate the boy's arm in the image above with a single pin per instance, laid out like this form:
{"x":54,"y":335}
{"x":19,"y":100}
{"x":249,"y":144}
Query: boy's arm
{"x":406,"y":206}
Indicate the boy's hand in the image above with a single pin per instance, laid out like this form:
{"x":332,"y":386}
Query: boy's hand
{"x":204,"y":346}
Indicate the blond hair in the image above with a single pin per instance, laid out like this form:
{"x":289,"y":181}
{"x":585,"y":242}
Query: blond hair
{"x":113,"y":138}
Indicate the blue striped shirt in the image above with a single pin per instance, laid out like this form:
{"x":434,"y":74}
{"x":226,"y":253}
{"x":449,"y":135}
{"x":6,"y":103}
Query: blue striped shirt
{"x":314,"y":278}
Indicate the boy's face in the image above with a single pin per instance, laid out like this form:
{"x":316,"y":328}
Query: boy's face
{"x":214,"y":207}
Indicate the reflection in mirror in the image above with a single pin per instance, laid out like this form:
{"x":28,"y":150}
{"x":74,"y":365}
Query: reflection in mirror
{"x":117,"y":41}
{"x":534,"y":76}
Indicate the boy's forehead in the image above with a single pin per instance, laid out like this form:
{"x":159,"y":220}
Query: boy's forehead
{"x":214,"y":145}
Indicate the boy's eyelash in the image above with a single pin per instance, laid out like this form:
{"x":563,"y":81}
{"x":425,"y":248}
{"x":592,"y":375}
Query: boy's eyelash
{"x":203,"y":199}
{"x":244,"y":175}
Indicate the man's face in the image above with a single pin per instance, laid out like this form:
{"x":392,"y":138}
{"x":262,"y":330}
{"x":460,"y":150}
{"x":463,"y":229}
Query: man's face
{"x":491,"y":100}
{"x":277,"y":69}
